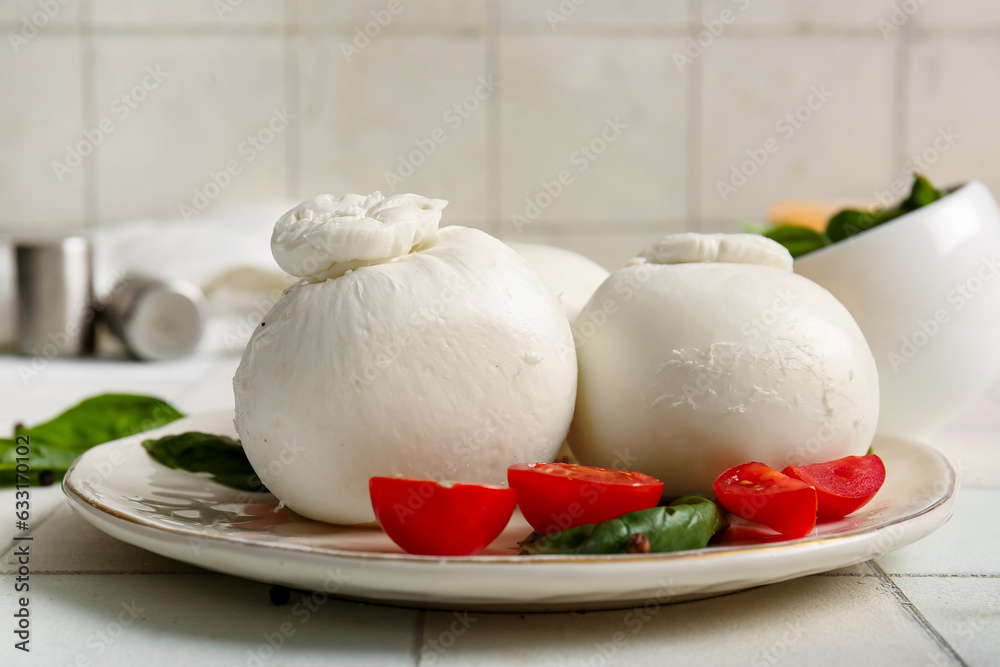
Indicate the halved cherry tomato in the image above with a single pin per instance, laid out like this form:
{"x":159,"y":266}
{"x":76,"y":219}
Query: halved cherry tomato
{"x":762,"y":494}
{"x":842,"y":486}
{"x":557,"y":496}
{"x":440,"y":518}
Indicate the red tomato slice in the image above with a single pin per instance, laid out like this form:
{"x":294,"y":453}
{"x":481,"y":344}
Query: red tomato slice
{"x":842,"y":486}
{"x":762,"y":494}
{"x":440,"y":518}
{"x":557,"y":496}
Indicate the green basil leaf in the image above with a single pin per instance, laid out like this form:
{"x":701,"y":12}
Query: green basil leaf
{"x":42,"y":459}
{"x":849,"y":222}
{"x":921,"y":194}
{"x":55,"y":444}
{"x":797,"y":240}
{"x":101,"y":419}
{"x":686,"y":523}
{"x":221,"y":457}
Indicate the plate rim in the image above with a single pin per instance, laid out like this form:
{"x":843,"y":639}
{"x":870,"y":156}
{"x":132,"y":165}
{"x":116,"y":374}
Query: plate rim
{"x":79,"y":497}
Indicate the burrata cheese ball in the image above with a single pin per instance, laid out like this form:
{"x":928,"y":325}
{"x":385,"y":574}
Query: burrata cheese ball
{"x":707,"y":351}
{"x":405,"y":349}
{"x":570,"y":276}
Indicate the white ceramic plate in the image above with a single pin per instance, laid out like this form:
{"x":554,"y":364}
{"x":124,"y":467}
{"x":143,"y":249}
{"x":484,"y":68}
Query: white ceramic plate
{"x":118,"y":488}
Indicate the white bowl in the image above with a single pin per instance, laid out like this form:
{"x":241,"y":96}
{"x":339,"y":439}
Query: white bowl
{"x":924,"y":289}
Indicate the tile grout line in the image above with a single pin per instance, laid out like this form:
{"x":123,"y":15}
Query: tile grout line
{"x":916,"y":614}
{"x":278,"y":27}
{"x":493,"y":145}
{"x":901,"y":94}
{"x":418,"y":636}
{"x":34,"y":527}
{"x":293,"y":149}
{"x":693,"y":139}
{"x":88,"y":95}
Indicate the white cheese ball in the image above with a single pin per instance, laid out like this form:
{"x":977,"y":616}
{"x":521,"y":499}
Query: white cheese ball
{"x":570,"y":276}
{"x":707,"y":352}
{"x":449,"y":362}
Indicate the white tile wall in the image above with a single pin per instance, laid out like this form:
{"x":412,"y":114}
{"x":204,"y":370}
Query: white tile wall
{"x":797,"y":15}
{"x":42,"y":123}
{"x":185,"y":12}
{"x":563,"y":66}
{"x":952,"y":124}
{"x":377,"y":114}
{"x":793,"y":117}
{"x":187,"y":114}
{"x":467,"y":14}
{"x":584,"y":153}
{"x":554,"y":15}
{"x":957,"y":14}
{"x":28,"y":16}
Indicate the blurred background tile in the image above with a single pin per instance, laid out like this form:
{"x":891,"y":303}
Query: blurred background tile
{"x":694,"y":103}
{"x":555,"y":14}
{"x":961,"y":14}
{"x":952,"y":125}
{"x":199,"y":122}
{"x":800,"y":15}
{"x":799,"y":117}
{"x":27,"y":18}
{"x":611,"y":248}
{"x":573,"y":152}
{"x":45,"y":149}
{"x":162,"y":13}
{"x":468,"y":14}
{"x":407,"y":114}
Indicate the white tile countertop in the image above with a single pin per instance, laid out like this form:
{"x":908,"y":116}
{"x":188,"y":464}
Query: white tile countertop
{"x":97,"y":601}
